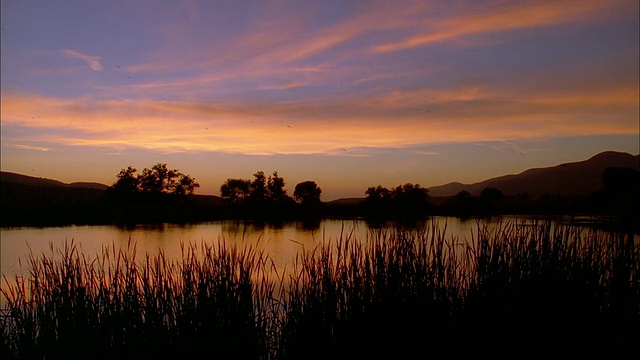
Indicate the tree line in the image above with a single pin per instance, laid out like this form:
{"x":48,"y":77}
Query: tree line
{"x":160,"y":194}
{"x":159,"y":179}
{"x":262,"y":190}
{"x":265,"y":197}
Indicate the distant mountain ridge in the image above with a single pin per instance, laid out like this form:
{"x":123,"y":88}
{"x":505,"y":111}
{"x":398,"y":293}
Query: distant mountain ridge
{"x":574,"y":178}
{"x":10,"y":177}
{"x":568,"y":179}
{"x":16,"y":179}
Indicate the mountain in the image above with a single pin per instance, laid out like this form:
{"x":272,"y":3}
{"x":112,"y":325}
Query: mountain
{"x":344,"y":201}
{"x":575,"y":178}
{"x":14,"y":178}
{"x":88,"y":185}
{"x":27,"y":185}
{"x":9,"y":177}
{"x":33,"y":201}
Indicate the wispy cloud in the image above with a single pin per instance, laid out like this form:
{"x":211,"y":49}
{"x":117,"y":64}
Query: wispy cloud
{"x":494,"y":19}
{"x":92,"y":61}
{"x":288,"y":86}
{"x":503,"y":146}
{"x":277,"y":128}
{"x":274,"y":49}
{"x":31,"y":147}
{"x":425,"y":152}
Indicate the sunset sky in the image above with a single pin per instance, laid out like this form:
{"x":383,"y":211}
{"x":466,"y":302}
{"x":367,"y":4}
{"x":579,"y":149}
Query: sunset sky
{"x":350,"y":94}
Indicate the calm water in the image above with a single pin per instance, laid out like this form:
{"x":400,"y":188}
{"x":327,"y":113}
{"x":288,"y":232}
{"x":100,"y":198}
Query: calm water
{"x":281,"y":243}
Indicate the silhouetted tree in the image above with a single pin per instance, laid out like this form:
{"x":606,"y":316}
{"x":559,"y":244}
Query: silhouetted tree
{"x":185,"y":184}
{"x":463,"y":196}
{"x":410,"y":200}
{"x":258,"y":188}
{"x":235,"y":191}
{"x":491,"y":200}
{"x":307,"y":192}
{"x":377,"y":203}
{"x":127,"y":181}
{"x":491,"y":195}
{"x":158,"y":179}
{"x":377,"y":195}
{"x":275,"y":188}
{"x":261,"y":199}
{"x":462,"y":203}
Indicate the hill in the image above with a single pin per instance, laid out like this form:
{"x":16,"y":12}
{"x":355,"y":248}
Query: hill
{"x":34,"y":201}
{"x":31,"y":182}
{"x":575,"y":186}
{"x":15,"y":178}
{"x":568,"y":179}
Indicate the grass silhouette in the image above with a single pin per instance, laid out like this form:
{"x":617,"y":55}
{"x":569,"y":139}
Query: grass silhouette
{"x":515,"y":288}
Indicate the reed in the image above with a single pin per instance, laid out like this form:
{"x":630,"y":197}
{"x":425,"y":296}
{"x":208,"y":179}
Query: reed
{"x":514,"y":287}
{"x":117,"y":305}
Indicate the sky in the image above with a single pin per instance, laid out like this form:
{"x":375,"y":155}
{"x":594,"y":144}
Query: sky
{"x":349,"y":94}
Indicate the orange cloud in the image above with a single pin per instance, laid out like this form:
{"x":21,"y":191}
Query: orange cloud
{"x":31,"y":147}
{"x":388,"y":120}
{"x":520,"y":15}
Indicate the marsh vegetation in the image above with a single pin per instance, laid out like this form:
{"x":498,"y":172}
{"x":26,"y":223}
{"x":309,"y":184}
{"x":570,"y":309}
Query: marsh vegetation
{"x":519,"y":287}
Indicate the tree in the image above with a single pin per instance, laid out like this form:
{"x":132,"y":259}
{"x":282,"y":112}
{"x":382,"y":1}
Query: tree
{"x":377,"y":203}
{"x":491,"y":196}
{"x":377,"y":195}
{"x":462,"y":203}
{"x":275,"y":188}
{"x":463,"y":196}
{"x":307,"y":193}
{"x":404,"y":202}
{"x":158,"y":179}
{"x":184,"y":185}
{"x":258,"y":188}
{"x":127,"y":181}
{"x":410,"y":200}
{"x":235,"y":191}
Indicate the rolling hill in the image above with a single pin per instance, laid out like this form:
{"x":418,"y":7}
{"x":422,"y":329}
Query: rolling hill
{"x":30,"y":188}
{"x":568,"y":179}
{"x":15,"y":178}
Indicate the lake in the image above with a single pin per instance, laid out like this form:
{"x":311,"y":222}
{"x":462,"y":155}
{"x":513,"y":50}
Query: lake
{"x":281,"y":243}
{"x":284,"y":243}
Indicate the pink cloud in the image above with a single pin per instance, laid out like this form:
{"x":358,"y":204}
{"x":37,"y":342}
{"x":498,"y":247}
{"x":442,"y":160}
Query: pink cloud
{"x":520,"y":15}
{"x":91,"y":60}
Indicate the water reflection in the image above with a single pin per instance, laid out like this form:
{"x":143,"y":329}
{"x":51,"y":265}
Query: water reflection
{"x":281,"y":242}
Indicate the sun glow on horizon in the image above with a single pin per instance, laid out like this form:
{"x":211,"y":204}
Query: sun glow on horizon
{"x":346,"y":91}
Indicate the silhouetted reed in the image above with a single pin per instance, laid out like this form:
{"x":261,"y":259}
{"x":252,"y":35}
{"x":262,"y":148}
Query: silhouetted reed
{"x":515,"y":287}
{"x":116,"y":306}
